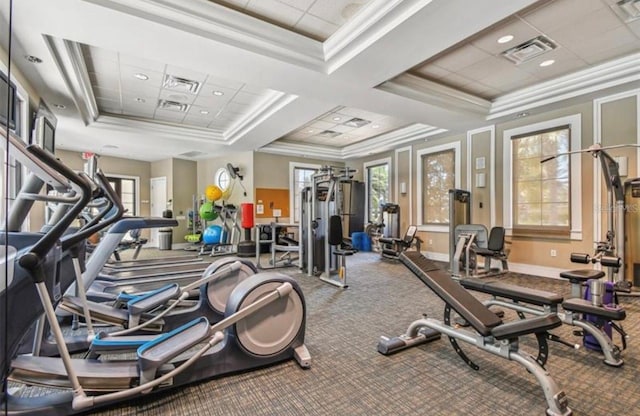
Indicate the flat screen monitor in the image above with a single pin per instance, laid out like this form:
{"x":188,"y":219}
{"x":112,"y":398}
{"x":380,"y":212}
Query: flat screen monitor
{"x":7,"y":102}
{"x":45,"y":128}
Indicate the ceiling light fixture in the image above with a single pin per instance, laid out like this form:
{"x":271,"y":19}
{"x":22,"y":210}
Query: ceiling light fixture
{"x":310,"y":131}
{"x":505,"y":39}
{"x":33,"y":59}
{"x":628,"y":10}
{"x":337,"y":118}
{"x":375,"y":126}
{"x":141,"y":76}
{"x":204,"y":112}
{"x":218,"y":93}
{"x":548,"y":62}
{"x":522,"y":114}
{"x":141,"y":100}
{"x":60,"y":106}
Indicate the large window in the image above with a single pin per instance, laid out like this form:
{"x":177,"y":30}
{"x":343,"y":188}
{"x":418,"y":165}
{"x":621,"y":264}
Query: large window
{"x":378,"y":182}
{"x":439,"y":176}
{"x":300,"y":175}
{"x":543,"y":199}
{"x":438,"y":171}
{"x":127,"y":190}
{"x":541,"y":190}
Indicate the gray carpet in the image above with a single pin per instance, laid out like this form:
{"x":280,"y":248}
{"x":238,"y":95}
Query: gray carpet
{"x":348,"y":376}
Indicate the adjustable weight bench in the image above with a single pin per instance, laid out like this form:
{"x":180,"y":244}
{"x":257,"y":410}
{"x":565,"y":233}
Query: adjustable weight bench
{"x":537,"y":302}
{"x":491,"y":334}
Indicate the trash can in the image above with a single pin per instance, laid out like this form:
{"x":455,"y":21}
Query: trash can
{"x":164,"y":239}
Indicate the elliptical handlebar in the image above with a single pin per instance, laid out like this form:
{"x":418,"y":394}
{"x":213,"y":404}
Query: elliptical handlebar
{"x":607,"y":261}
{"x":46,"y":161}
{"x":96,"y":225}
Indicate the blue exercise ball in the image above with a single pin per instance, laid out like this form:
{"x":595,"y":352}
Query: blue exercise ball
{"x":212,"y":234}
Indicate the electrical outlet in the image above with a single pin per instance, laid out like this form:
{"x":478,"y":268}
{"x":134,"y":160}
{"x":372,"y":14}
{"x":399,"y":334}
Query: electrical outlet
{"x":553,"y":253}
{"x":430,"y":242}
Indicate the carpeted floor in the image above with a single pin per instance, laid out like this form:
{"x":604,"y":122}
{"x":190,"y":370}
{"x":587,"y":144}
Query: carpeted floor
{"x":349,"y":377}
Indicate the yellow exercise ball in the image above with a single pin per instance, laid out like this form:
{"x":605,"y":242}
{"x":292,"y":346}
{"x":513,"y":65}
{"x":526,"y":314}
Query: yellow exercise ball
{"x":213,"y":193}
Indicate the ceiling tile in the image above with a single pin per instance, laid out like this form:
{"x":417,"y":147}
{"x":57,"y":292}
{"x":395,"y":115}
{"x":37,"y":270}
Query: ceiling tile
{"x":208,"y":89}
{"x":336,"y":11}
{"x":621,"y":37}
{"x":461,"y":58}
{"x":109,"y":94}
{"x":212,"y":102}
{"x":274,"y":10}
{"x":485,"y":68}
{"x":603,"y":55}
{"x":298,"y":4}
{"x":520,"y":30}
{"x":320,"y":125}
{"x":139,"y":112}
{"x":141,"y":63}
{"x":227,"y":83}
{"x":455,"y":80}
{"x":99,"y":53}
{"x":431,"y":71}
{"x":635,"y":27}
{"x":245,"y":98}
{"x":180,"y":97}
{"x":561,"y":14}
{"x":102,"y":66}
{"x":342,"y":128}
{"x":166,"y":115}
{"x":588,"y":30}
{"x":565,"y":61}
{"x":316,"y":26}
{"x":508,"y":79}
{"x":105,"y":80}
{"x":237,"y":107}
{"x":196,"y":121}
{"x":127,"y":76}
{"x":252,"y":89}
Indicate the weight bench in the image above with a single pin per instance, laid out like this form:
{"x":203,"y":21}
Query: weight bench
{"x":491,"y":334}
{"x":538,"y":302}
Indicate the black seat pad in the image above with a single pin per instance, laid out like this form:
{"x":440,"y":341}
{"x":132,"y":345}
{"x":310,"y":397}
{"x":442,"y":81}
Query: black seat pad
{"x":526,"y":326}
{"x":585,"y":306}
{"x":463,"y":302}
{"x":513,"y":292}
{"x":582,"y":275}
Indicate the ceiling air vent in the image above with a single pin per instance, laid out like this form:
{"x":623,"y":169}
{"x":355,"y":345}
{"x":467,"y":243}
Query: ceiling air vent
{"x":529,"y":50}
{"x":173,"y":106}
{"x":628,"y":10}
{"x":173,"y":82}
{"x":328,"y":134}
{"x":193,"y":153}
{"x":356,"y":122}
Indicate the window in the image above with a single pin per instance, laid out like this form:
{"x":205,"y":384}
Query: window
{"x":438,"y":171}
{"x":541,"y":190}
{"x":222,"y":179}
{"x":127,"y":190}
{"x":543,"y":199}
{"x":378,"y":182}
{"x":299,"y":177}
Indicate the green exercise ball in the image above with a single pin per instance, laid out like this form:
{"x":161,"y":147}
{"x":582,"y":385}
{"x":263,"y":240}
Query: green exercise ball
{"x":207,"y":212}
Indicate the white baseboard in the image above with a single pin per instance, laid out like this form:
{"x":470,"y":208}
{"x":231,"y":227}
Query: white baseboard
{"x":180,"y":246}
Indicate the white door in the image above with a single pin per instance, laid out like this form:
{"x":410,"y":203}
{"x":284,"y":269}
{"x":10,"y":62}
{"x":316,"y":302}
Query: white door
{"x":158,"y":204}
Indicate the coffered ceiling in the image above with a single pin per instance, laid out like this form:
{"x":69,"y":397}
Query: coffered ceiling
{"x":285,"y":76}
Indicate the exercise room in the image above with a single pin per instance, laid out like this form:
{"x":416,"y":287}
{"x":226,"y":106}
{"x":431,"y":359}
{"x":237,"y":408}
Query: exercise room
{"x":320,"y":207}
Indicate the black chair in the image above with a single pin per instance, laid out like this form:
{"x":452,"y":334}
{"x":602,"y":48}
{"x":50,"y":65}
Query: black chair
{"x":392,"y":247}
{"x":495,"y":249}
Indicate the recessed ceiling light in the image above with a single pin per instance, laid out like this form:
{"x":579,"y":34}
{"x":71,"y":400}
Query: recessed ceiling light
{"x":205,"y":112}
{"x":522,"y":114}
{"x":33,"y":59}
{"x":141,"y":100}
{"x":310,"y":131}
{"x":218,"y":93}
{"x":337,"y":118}
{"x":141,"y":76}
{"x":505,"y":39}
{"x":375,"y":126}
{"x":60,"y":106}
{"x":547,"y":62}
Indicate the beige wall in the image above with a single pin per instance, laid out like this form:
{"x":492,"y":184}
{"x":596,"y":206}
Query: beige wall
{"x":183,"y":188}
{"x":206,"y":170}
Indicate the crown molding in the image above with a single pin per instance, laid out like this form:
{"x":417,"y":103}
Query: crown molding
{"x":229,"y":26}
{"x":421,"y":89}
{"x":377,"y":19}
{"x":163,"y":129}
{"x":607,"y":75}
{"x":67,"y":56}
{"x":377,"y":144}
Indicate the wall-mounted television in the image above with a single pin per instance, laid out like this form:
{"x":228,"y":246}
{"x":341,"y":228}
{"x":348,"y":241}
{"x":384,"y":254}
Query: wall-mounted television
{"x":45,"y":128}
{"x":7,"y":102}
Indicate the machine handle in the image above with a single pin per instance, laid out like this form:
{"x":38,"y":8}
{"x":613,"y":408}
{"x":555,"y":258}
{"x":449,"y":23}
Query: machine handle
{"x":580,"y":258}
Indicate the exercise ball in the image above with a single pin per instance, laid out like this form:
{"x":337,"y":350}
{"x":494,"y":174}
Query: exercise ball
{"x":212,"y":234}
{"x":208,"y":212}
{"x":213,"y":193}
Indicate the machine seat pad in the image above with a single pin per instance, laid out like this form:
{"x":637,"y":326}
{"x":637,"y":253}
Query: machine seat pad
{"x":513,"y":292}
{"x":481,"y":318}
{"x":339,"y":252}
{"x":582,"y":275}
{"x":585,"y":306}
{"x":526,"y":326}
{"x":486,"y":252}
{"x":389,"y":240}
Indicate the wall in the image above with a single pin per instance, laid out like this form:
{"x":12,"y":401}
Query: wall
{"x":184,"y":175}
{"x":116,"y":166}
{"x":207,"y":168}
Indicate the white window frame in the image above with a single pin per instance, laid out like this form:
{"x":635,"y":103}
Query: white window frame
{"x":292,"y":191}
{"x":366,"y":166}
{"x":218,"y":175}
{"x":455,"y":146}
{"x":136,"y":180}
{"x":575,"y":180}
